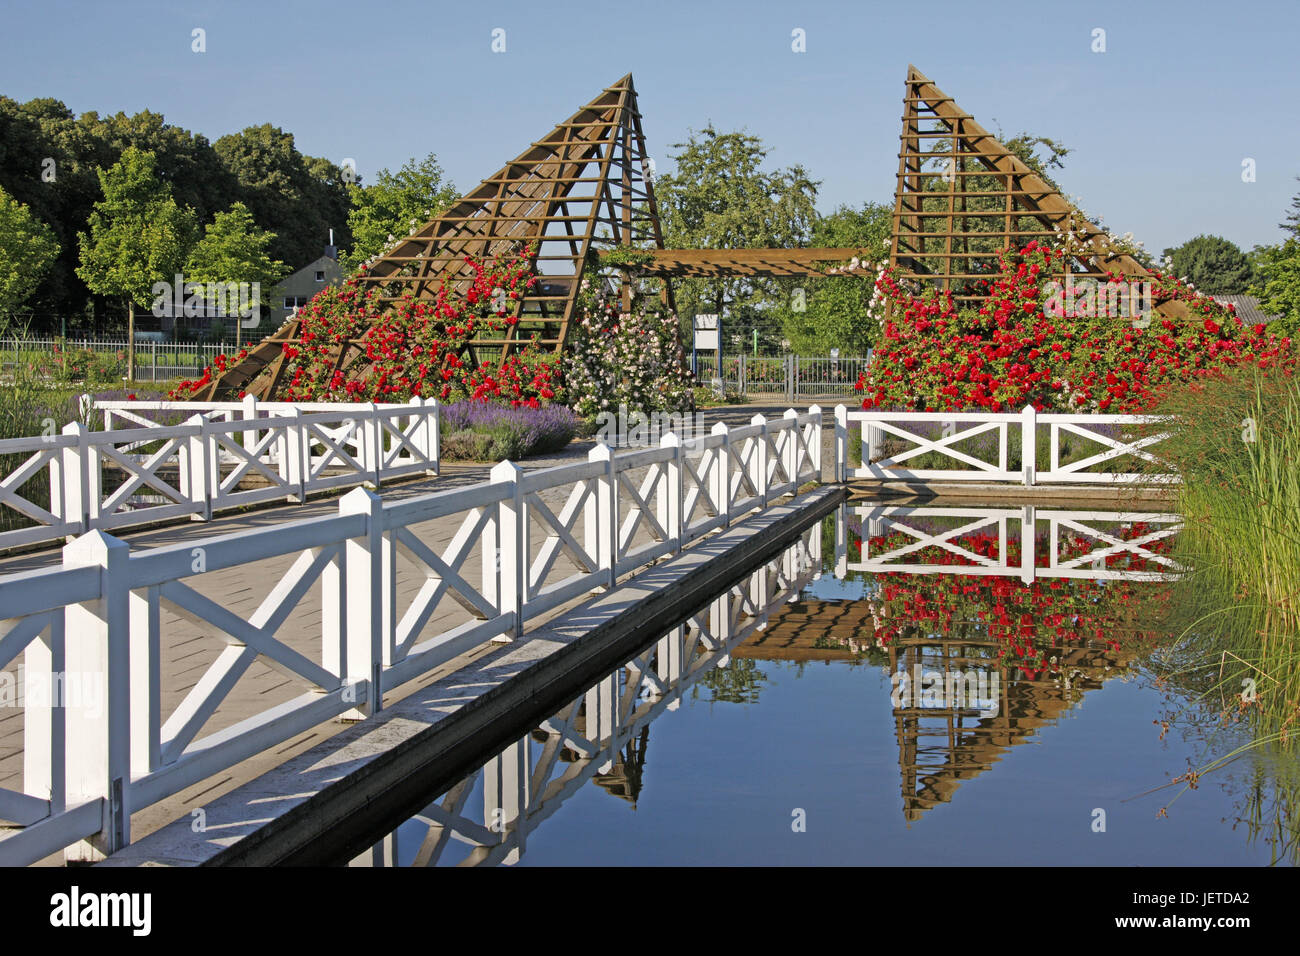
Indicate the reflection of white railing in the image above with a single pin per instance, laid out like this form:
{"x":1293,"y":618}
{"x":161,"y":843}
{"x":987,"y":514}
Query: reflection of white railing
{"x":991,"y":462}
{"x":527,"y":782}
{"x":917,"y":526}
{"x":390,"y":605}
{"x":197,"y":467}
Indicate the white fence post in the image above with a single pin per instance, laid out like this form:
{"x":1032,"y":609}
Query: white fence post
{"x":248,"y":413}
{"x":70,"y":480}
{"x":97,"y":720}
{"x":1027,"y":567}
{"x":721,"y":491}
{"x":199,"y":476}
{"x":430,"y":435}
{"x":508,"y":531}
{"x":670,"y":492}
{"x":607,"y":516}
{"x":841,"y":443}
{"x":758,"y":466}
{"x":842,"y":543}
{"x":359,"y":658}
{"x":372,"y":445}
{"x":790,"y":452}
{"x":506,"y":779}
{"x":668,"y":662}
{"x":146,"y":679}
{"x":815,"y":444}
{"x":1029,"y":444}
{"x":295,"y":464}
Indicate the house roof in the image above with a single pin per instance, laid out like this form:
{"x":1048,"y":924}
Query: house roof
{"x":1248,"y":309}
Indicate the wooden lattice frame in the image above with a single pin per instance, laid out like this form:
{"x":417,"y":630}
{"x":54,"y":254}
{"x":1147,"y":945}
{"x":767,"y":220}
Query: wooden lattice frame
{"x":957,"y":208}
{"x":582,"y":188}
{"x":535,"y":200}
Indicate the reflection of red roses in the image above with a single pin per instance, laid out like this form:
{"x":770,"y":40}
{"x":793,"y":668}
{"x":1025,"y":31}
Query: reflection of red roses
{"x":1026,"y":619}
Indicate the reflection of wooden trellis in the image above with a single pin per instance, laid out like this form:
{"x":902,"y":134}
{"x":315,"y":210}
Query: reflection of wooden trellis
{"x":940,"y":748}
{"x":582,"y":187}
{"x":963,"y":197}
{"x":601,"y":736}
{"x":813,"y":630}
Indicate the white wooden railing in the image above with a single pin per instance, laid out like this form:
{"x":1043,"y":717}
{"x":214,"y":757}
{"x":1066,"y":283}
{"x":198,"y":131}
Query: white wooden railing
{"x":197,"y":468}
{"x":487,"y":817}
{"x":1099,"y":540}
{"x":966,"y":465}
{"x":100,"y":620}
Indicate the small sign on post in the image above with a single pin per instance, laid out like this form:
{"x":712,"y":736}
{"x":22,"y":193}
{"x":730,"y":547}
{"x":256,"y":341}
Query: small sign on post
{"x":708,"y":336}
{"x":706,"y":332}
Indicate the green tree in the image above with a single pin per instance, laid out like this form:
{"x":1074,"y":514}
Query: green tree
{"x":1026,"y":146}
{"x":393,"y":204}
{"x":27,"y":250}
{"x":1292,"y":223}
{"x":834,"y":313}
{"x":138,"y":235}
{"x":186,"y":161}
{"x":1212,"y":264}
{"x":49,"y":166}
{"x":720,"y":197}
{"x":234,"y":249}
{"x":299,"y":198}
{"x":1277,"y":284}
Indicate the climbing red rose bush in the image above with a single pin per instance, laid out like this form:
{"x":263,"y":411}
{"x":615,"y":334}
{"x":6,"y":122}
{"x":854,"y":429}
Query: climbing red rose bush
{"x":414,"y":346}
{"x":1014,"y":351}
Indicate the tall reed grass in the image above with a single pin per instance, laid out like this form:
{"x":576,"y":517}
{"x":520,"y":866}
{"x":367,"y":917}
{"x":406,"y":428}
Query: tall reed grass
{"x":1236,"y":446}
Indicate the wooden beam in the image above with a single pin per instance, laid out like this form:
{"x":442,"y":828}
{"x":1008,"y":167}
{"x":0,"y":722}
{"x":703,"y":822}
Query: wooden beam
{"x":746,"y":262}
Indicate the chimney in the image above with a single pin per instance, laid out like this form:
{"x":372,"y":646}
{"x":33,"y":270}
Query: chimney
{"x":331,"y":251}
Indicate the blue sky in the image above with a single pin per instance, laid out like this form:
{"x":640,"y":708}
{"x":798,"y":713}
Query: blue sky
{"x":1158,"y":125}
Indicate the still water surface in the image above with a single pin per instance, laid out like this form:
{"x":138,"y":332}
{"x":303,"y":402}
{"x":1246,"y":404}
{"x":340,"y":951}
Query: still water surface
{"x":804,"y":718}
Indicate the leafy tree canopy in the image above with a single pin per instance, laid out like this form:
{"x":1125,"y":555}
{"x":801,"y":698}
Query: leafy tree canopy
{"x":1212,"y":264}
{"x":393,"y":204}
{"x":1277,"y":284}
{"x":28,"y":249}
{"x":1292,"y":222}
{"x":721,"y":197}
{"x":138,"y":235}
{"x":234,"y":249}
{"x":299,"y":198}
{"x":832,"y":313}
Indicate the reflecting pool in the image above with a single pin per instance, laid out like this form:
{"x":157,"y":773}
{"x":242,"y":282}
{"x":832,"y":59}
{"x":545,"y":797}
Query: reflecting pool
{"x":903,"y":686}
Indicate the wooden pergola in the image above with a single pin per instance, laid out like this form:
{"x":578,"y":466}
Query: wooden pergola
{"x":585,"y":189}
{"x":963,"y":198}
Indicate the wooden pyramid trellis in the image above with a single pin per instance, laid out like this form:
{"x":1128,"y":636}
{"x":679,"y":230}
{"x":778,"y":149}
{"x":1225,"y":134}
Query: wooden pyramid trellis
{"x":583,"y":187}
{"x":963,"y":197}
